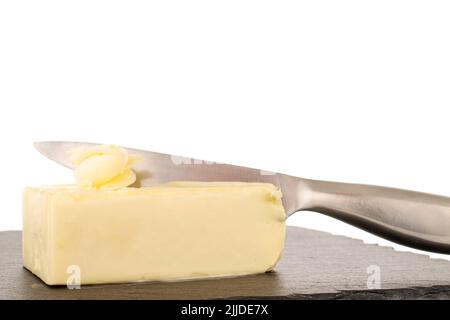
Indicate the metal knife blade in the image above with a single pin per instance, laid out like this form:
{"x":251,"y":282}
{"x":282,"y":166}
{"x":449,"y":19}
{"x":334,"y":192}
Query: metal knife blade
{"x":415,"y":219}
{"x":156,"y":168}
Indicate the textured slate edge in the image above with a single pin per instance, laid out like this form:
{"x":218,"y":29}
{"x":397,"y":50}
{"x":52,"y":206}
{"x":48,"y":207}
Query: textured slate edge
{"x":414,"y":293}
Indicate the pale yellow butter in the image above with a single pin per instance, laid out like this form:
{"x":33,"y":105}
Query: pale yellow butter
{"x":103,"y":167}
{"x":170,"y":232}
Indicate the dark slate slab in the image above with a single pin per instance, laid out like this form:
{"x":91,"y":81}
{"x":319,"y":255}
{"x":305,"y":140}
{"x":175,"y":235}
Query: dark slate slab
{"x":315,"y":265}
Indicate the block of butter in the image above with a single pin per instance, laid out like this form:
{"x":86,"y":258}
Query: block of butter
{"x":174,"y":231}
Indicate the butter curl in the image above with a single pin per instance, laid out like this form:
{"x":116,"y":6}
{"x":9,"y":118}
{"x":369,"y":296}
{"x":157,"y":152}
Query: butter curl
{"x":103,"y":167}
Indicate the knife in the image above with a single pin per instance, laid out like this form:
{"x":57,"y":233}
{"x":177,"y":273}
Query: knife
{"x":415,"y":219}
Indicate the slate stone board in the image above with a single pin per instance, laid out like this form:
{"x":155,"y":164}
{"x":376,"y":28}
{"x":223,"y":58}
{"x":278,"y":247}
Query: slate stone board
{"x":315,"y":265}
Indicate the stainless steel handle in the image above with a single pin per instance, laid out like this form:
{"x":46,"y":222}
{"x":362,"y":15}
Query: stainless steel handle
{"x":414,"y":219}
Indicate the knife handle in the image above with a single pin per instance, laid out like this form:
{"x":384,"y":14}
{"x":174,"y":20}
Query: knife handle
{"x":415,"y":219}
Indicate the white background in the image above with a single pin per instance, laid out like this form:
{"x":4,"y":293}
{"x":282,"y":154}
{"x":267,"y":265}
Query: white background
{"x":353,"y":91}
